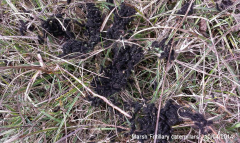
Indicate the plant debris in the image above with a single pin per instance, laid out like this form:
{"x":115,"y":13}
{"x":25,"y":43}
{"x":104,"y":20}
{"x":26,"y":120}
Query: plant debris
{"x":166,"y":50}
{"x":184,"y":9}
{"x":122,"y":18}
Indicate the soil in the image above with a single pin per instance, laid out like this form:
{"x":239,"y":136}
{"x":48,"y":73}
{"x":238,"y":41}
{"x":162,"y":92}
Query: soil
{"x":109,"y":6}
{"x":109,"y":1}
{"x":23,"y":27}
{"x":184,"y":9}
{"x":166,"y":49}
{"x":224,"y":4}
{"x":40,"y":39}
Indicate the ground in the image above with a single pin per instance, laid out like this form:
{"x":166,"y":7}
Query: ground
{"x":119,"y":70}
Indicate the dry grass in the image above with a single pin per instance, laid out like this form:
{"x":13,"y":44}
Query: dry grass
{"x":42,"y":97}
